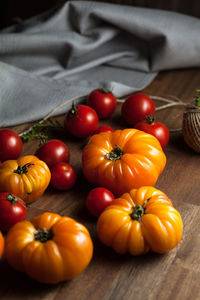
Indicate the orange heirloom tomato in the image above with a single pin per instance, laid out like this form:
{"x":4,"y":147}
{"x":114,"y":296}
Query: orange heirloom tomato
{"x":139,"y":221}
{"x":1,"y":245}
{"x":122,"y":160}
{"x":27,"y":177}
{"x":50,"y":248}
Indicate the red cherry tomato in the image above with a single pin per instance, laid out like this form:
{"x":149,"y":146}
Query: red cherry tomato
{"x":81,"y":121}
{"x":103,"y":101}
{"x":98,"y":199}
{"x":53,"y":152}
{"x":158,"y":129}
{"x":63,"y":176}
{"x":136,"y":107}
{"x":10,"y":144}
{"x":12,"y":210}
{"x":103,"y":129}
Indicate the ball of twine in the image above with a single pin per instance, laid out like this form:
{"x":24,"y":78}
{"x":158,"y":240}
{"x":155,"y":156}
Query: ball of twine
{"x":191,"y":127}
{"x":190,"y":122}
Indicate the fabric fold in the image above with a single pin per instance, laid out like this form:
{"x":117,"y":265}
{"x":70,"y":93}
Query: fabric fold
{"x":82,"y":45}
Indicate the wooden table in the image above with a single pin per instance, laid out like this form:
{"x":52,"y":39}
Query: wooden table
{"x":110,"y":276}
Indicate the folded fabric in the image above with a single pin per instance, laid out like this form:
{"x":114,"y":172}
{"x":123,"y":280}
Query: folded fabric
{"x":83,"y":45}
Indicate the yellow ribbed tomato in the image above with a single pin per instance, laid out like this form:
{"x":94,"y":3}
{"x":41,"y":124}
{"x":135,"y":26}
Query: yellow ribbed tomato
{"x":143,"y":219}
{"x":123,"y":160}
{"x":1,"y":245}
{"x":27,"y":177}
{"x":50,"y":248}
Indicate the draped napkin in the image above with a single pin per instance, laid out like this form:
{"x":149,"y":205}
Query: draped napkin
{"x":70,"y":50}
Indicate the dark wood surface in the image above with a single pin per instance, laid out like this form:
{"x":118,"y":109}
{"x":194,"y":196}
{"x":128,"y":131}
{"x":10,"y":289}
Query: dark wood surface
{"x":111,"y":276}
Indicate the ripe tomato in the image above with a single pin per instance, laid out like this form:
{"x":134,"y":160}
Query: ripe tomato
{"x":122,"y":160}
{"x":27,"y":177}
{"x":49,"y":248}
{"x":12,"y":210}
{"x":98,"y":199}
{"x":103,"y":101}
{"x":139,"y":221}
{"x":158,"y":129}
{"x":103,"y":129}
{"x":10,"y":144}
{"x":1,"y":245}
{"x":53,"y":152}
{"x":81,"y":121}
{"x":136,"y":107}
{"x":63,"y":176}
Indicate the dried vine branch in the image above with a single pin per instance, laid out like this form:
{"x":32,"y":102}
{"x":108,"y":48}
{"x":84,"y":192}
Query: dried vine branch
{"x":39,"y":130}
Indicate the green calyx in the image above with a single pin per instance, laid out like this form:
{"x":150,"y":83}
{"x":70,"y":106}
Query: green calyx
{"x":73,"y":111}
{"x":115,"y":154}
{"x":43,"y":235}
{"x":105,"y":91}
{"x":150,"y":119}
{"x":13,"y":200}
{"x":139,"y":211}
{"x":23,"y":169}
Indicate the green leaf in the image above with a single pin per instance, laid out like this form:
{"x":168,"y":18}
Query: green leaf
{"x":40,"y":131}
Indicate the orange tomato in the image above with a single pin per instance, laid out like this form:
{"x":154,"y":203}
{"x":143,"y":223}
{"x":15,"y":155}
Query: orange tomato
{"x":27,"y":177}
{"x":139,"y":221}
{"x":50,"y":248}
{"x":122,"y":160}
{"x":1,"y":245}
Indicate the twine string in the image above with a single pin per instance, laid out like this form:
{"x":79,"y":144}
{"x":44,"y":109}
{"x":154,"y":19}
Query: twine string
{"x":53,"y":111}
{"x":169,"y":103}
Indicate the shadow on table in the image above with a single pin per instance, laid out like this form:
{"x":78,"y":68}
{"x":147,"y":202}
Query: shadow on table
{"x":19,"y":284}
{"x":177,"y":143}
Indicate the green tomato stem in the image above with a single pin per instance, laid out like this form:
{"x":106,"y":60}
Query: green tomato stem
{"x":115,"y":154}
{"x":43,"y":235}
{"x":23,"y":169}
{"x":105,"y":91}
{"x":139,"y":211}
{"x":11,"y":198}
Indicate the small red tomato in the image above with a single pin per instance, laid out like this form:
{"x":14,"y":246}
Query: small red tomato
{"x":103,"y":101}
{"x":103,"y":129}
{"x":81,"y":121}
{"x":158,"y":129}
{"x":12,"y":210}
{"x":63,"y":176}
{"x":53,"y":152}
{"x":98,"y":199}
{"x":10,"y":144}
{"x":136,"y":107}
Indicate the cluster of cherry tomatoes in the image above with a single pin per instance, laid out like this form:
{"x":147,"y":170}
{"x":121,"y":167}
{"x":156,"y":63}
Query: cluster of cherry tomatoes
{"x":80,"y":121}
{"x":54,"y":153}
{"x":138,"y":111}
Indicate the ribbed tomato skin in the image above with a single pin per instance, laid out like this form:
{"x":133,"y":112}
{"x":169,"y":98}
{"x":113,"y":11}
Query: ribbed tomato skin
{"x":141,"y":163}
{"x":28,"y":186}
{"x":159,"y":229}
{"x":63,"y":256}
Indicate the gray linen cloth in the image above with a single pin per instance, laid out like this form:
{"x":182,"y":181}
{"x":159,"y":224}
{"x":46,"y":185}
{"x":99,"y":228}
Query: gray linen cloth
{"x":83,"y":45}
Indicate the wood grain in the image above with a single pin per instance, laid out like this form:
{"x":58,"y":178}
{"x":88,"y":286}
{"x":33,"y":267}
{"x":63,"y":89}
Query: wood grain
{"x":111,"y":276}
